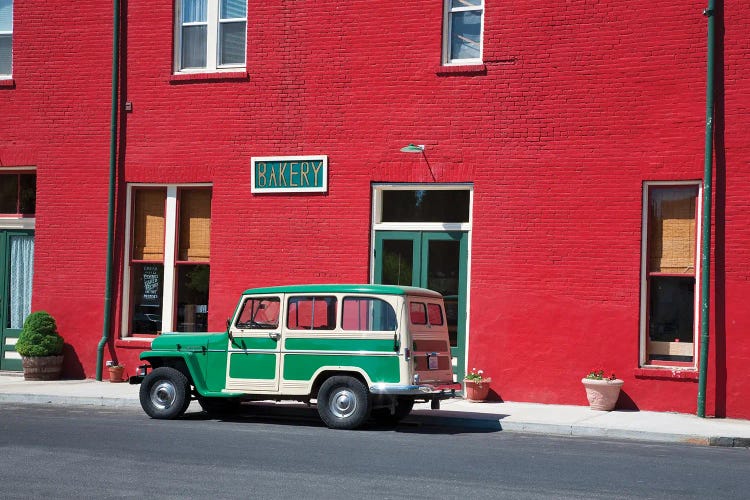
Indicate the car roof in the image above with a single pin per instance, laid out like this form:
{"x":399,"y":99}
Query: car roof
{"x":345,"y":288}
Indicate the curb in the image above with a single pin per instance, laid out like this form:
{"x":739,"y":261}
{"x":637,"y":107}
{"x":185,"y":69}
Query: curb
{"x":67,"y":400}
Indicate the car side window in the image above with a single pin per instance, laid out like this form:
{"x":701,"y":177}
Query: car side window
{"x":259,"y":313}
{"x":311,"y":313}
{"x":367,"y":314}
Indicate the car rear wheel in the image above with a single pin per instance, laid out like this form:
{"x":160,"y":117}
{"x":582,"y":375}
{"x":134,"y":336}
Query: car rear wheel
{"x":165,"y":393}
{"x":343,"y":402}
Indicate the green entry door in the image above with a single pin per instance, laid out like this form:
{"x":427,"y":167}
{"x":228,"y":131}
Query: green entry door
{"x":16,"y":272}
{"x":430,"y":259}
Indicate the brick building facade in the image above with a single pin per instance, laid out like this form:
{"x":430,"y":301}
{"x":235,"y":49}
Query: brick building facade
{"x":556,"y":198}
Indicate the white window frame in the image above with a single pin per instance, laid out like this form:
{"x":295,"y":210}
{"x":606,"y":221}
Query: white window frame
{"x":448,"y":11}
{"x":9,"y":76}
{"x":170,"y":255}
{"x":213,"y":21}
{"x":644,"y":363}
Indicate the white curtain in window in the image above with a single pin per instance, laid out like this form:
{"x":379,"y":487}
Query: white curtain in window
{"x":21,"y":274}
{"x":194,"y":11}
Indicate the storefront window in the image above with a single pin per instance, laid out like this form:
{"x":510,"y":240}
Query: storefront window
{"x":434,"y":205}
{"x":17,"y":194}
{"x":169,"y":290}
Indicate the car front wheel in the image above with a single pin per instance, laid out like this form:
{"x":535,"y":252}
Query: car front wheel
{"x":165,"y":393}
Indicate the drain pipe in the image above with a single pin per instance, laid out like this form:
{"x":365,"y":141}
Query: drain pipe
{"x":710,"y":13}
{"x":112,"y":172}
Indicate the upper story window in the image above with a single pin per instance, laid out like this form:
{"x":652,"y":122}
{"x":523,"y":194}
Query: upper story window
{"x":210,"y":35}
{"x":462,"y":32}
{"x":17,"y":194}
{"x":6,"y":38}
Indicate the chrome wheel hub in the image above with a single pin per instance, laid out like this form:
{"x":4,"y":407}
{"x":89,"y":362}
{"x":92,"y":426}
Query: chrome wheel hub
{"x":342,"y":403}
{"x":163,"y":395}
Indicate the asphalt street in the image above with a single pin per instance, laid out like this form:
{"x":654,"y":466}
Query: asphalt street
{"x":85,"y":452}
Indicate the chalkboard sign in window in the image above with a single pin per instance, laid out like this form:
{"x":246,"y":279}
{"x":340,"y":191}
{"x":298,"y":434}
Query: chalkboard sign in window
{"x":148,"y":284}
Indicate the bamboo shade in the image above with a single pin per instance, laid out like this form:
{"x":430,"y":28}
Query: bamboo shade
{"x":672,"y":231}
{"x":195,"y":225}
{"x":148,"y":225}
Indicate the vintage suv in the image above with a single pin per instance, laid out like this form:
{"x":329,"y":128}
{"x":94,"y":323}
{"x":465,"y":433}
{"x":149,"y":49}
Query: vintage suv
{"x":356,"y":350}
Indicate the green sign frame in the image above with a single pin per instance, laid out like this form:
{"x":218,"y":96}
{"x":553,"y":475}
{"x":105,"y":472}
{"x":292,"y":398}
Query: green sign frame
{"x":289,"y":174}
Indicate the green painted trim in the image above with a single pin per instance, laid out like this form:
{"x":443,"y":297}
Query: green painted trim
{"x":7,"y":332}
{"x":350,"y":345}
{"x":252,"y":365}
{"x":378,"y":368}
{"x":251,"y":343}
{"x":366,"y":289}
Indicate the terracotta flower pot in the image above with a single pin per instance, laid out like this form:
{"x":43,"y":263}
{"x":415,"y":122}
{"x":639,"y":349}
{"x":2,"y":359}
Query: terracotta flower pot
{"x":477,"y":391}
{"x":115,"y":373}
{"x":42,"y":367}
{"x":602,"y":394}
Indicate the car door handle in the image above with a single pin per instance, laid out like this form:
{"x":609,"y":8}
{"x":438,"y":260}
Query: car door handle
{"x":274,"y":335}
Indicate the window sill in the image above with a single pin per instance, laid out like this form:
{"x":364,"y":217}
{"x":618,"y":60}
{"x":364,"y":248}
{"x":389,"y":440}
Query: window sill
{"x":9,"y":83}
{"x":661,"y":373}
{"x":220,"y":76}
{"x":134,"y":342}
{"x":468,"y":69}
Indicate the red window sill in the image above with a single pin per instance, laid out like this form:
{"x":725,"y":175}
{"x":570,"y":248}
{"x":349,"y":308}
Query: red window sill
{"x":10,"y":83}
{"x":661,"y":373}
{"x":469,"y":69}
{"x":134,"y":342}
{"x":209,"y":77}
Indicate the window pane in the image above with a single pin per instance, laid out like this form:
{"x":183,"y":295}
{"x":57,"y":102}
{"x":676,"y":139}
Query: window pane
{"x":417,"y":313}
{"x":28,"y":194}
{"x":233,"y":9}
{"x":193,"y":47}
{"x":368,"y":314}
{"x":426,"y":206}
{"x":435,"y":314}
{"x":6,"y":15}
{"x":8,"y":193}
{"x":260,"y":313}
{"x":466,"y":30}
{"x":312,"y":313}
{"x":232,"y":43}
{"x":6,"y":54}
{"x":465,"y":3}
{"x":671,"y":230}
{"x":194,"y":11}
{"x":398,"y":262}
{"x":148,"y":224}
{"x":147,"y":282}
{"x":671,"y":312}
{"x":192,"y":298}
{"x":195,"y":225}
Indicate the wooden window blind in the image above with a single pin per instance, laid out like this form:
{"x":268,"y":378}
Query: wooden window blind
{"x":148,"y":225}
{"x":672,"y":227}
{"x":195,"y":225}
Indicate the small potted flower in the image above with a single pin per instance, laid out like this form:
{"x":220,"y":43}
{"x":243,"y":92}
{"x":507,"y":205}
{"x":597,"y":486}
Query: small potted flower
{"x":115,"y":371}
{"x":602,"y":392}
{"x":477,"y":385}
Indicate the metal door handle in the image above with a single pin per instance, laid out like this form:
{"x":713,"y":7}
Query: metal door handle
{"x":274,"y":335}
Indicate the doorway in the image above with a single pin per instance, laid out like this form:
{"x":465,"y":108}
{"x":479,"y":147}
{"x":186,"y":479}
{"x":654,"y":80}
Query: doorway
{"x":16,"y":273}
{"x":434,"y":260}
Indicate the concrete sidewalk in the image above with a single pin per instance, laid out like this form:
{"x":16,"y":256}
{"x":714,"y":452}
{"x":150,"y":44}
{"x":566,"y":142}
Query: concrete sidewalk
{"x":556,"y":420}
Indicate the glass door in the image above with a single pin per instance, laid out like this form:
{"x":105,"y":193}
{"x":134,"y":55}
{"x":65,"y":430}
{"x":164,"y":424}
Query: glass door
{"x":430,"y":259}
{"x":16,"y":276}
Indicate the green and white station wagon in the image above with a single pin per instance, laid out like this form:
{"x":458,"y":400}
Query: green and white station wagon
{"x":355,"y":350}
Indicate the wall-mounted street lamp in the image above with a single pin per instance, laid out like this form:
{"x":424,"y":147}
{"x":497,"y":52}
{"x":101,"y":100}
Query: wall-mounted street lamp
{"x":419,"y":148}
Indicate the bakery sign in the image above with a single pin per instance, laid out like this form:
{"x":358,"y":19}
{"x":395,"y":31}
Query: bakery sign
{"x":289,"y":174}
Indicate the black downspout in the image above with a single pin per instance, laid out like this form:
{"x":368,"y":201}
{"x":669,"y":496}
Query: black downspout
{"x":111,"y":202}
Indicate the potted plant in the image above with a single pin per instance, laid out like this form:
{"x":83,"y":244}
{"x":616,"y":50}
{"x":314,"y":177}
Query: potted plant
{"x":602,"y":392}
{"x":477,"y":385}
{"x":115,"y":372}
{"x":40,"y":347}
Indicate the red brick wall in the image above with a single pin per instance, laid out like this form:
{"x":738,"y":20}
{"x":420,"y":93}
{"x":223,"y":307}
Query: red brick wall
{"x":578,"y":105}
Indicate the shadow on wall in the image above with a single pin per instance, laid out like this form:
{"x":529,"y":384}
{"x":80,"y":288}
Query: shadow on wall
{"x":72,"y":367}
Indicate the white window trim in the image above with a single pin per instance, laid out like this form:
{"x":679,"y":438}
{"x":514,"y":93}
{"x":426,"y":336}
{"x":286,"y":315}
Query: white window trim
{"x":212,"y":40}
{"x":170,"y":228}
{"x":644,"y":275}
{"x":448,"y":28}
{"x":9,"y":76}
